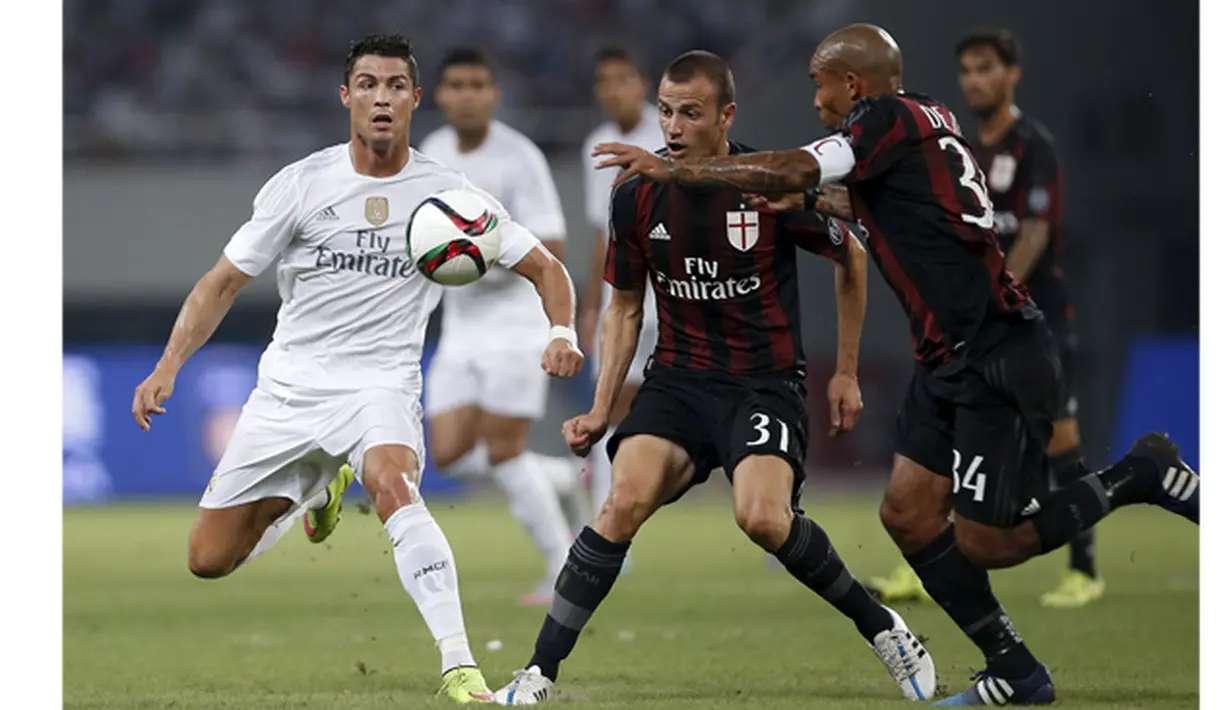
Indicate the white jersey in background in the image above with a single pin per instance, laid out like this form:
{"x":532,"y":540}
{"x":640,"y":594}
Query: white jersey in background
{"x":510,"y":167}
{"x":354,"y":309}
{"x":491,"y":348}
{"x":648,"y":135}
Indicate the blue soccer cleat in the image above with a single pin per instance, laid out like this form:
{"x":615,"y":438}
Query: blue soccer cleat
{"x":1179,"y":487}
{"x":1037,"y":689}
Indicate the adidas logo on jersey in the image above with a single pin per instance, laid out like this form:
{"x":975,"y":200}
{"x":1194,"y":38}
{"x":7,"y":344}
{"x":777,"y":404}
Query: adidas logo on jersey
{"x":326,"y":215}
{"x":659,"y":232}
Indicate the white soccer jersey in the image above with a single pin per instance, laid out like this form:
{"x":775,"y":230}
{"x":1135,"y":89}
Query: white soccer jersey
{"x":354,"y":309}
{"x":648,"y":134}
{"x":510,"y":167}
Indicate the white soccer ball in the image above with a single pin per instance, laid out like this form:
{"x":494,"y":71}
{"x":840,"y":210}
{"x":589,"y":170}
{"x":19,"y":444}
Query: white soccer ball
{"x":453,"y":237}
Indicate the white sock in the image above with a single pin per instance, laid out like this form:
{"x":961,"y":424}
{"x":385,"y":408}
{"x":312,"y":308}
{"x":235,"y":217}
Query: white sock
{"x":565,"y":478}
{"x":275,"y":531}
{"x":429,"y":574}
{"x":473,"y":464}
{"x":600,"y":473}
{"x":533,"y":503}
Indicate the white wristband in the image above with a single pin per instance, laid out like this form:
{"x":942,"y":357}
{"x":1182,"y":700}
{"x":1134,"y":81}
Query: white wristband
{"x":563,"y":332}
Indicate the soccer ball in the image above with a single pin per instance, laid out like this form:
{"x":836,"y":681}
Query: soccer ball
{"x":453,"y":237}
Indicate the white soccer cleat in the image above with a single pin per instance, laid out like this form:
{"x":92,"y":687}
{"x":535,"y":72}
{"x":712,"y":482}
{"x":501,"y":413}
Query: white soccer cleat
{"x":906,"y":660}
{"x":529,"y":687}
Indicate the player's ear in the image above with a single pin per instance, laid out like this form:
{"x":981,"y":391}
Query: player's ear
{"x":854,"y":86}
{"x":727,"y":116}
{"x":1015,"y":74}
{"x":344,"y":94}
{"x":418,"y":98}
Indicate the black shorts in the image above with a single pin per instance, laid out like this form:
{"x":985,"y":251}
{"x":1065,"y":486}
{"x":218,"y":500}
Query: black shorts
{"x":988,"y":426}
{"x":720,"y":420}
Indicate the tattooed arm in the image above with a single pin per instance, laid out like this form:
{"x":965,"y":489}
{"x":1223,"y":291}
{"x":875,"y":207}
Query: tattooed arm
{"x":776,"y":171}
{"x":826,"y":161}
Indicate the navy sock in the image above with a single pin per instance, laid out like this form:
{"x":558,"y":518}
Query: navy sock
{"x":964,"y":591}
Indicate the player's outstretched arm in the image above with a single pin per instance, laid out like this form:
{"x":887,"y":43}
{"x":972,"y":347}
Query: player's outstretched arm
{"x":851,"y":290}
{"x":621,"y":329}
{"x":198,"y":318}
{"x":551,"y":280}
{"x":766,"y":172}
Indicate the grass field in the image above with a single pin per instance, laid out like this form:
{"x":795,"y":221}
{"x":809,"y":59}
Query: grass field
{"x":702,"y":622}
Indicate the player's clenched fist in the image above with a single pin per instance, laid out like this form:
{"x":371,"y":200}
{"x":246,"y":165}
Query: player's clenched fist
{"x":150,"y":395}
{"x":635,"y":161}
{"x":582,"y":431}
{"x":562,"y":359}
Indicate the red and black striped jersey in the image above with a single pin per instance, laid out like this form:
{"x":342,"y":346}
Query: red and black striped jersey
{"x":724,"y":275}
{"x":922,"y":201}
{"x":1026,"y":181}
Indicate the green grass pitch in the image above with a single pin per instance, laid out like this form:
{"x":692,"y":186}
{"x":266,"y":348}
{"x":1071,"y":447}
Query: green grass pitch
{"x":702,"y":622}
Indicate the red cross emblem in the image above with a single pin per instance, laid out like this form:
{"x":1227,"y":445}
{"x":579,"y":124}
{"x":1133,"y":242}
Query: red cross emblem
{"x":743,"y":228}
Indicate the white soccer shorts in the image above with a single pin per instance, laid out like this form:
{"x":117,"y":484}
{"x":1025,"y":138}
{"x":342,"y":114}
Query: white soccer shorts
{"x":507,"y":380}
{"x":289,"y":442}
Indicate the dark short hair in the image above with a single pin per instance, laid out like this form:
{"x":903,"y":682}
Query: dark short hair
{"x":382,"y":45}
{"x":615,"y":53}
{"x":698,"y":62}
{"x":999,"y":40}
{"x":465,"y":57}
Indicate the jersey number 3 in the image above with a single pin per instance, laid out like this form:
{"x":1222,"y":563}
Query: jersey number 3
{"x":760,"y":422}
{"x":973,"y":181}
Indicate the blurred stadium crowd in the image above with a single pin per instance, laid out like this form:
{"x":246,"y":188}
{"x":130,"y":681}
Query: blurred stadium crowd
{"x":224,"y":78}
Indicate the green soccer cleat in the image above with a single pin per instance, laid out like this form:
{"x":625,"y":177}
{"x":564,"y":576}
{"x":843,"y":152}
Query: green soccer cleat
{"x":319,"y":523}
{"x":902,"y":585}
{"x":465,"y":684}
{"x":1075,"y":590}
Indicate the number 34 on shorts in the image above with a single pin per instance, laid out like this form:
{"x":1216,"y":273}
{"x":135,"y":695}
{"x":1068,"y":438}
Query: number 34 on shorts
{"x":970,"y":478}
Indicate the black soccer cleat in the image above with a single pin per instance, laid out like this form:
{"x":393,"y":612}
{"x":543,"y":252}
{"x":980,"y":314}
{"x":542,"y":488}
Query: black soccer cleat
{"x":1178,"y":486}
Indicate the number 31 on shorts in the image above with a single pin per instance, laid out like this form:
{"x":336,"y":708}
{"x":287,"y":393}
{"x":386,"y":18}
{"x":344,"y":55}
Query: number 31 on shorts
{"x":760,"y":422}
{"x":972,"y":479}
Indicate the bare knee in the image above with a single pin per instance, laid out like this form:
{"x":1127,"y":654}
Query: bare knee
{"x":505,"y":437}
{"x":391,"y":478}
{"x":453,"y":433}
{"x":915,"y":509}
{"x":765,"y":522}
{"x":221,"y":538}
{"x":623,"y":513}
{"x":210,"y":563}
{"x":210,"y":557}
{"x":504,"y":448}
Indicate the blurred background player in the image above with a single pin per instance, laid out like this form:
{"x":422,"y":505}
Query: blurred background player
{"x":1018,"y":157}
{"x":486,"y":386}
{"x":620,"y":88}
